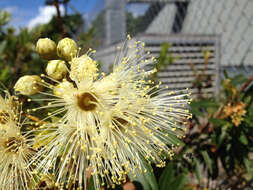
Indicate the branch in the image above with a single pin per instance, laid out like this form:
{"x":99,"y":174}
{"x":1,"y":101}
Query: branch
{"x":56,"y":4}
{"x":246,"y":84}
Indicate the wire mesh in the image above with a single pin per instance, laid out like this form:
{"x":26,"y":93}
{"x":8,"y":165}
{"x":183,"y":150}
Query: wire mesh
{"x":230,"y":20}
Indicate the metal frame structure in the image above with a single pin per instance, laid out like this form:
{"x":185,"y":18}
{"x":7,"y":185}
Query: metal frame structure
{"x":189,"y":50}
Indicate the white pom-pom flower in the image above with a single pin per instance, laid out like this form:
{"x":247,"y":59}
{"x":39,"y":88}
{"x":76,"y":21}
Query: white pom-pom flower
{"x":110,"y":123}
{"x":15,"y":149}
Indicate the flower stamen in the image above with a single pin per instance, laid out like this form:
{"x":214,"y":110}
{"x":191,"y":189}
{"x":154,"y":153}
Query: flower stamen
{"x":4,"y":117}
{"x":12,"y":144}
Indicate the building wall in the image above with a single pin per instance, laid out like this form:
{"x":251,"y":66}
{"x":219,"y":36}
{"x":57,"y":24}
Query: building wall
{"x":115,"y":19}
{"x":232,"y":20}
{"x":164,"y":21}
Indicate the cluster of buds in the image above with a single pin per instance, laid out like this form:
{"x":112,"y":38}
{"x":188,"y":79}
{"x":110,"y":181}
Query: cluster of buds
{"x":99,"y":122}
{"x":28,"y":85}
{"x":60,"y":57}
{"x":235,"y":112}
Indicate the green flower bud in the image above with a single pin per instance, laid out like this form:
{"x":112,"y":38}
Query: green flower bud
{"x":67,"y":49}
{"x":56,"y":69}
{"x":28,"y":85}
{"x":46,"y":48}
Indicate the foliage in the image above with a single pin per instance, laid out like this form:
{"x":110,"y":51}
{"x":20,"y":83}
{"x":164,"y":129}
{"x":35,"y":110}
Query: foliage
{"x":89,"y":39}
{"x":133,"y":24}
{"x":71,"y":25}
{"x":16,"y":52}
{"x":201,"y":78}
{"x":218,"y":145}
{"x":17,"y":49}
{"x":224,"y":134}
{"x":98,"y":25}
{"x":165,"y":59}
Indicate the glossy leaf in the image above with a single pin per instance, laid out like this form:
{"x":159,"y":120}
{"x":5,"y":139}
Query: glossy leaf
{"x":150,"y":177}
{"x":2,"y":47}
{"x":166,"y":177}
{"x":218,"y":122}
{"x":238,"y":79}
{"x":178,"y":183}
{"x":243,"y":139}
{"x":204,"y":103}
{"x":197,"y":170}
{"x":222,"y":135}
{"x":147,"y":179}
{"x":207,"y":160}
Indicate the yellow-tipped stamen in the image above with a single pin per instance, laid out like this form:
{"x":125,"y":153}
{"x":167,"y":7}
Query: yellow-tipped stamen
{"x":110,"y":123}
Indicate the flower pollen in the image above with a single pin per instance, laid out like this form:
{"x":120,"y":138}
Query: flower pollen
{"x":108,"y":124}
{"x":4,"y":117}
{"x":12,"y":144}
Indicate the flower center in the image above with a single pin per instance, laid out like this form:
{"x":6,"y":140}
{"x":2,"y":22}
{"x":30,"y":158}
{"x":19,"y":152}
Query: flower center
{"x":86,"y":101}
{"x":4,"y":117}
{"x":13,"y":144}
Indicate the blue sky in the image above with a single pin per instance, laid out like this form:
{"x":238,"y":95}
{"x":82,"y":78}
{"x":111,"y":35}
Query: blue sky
{"x":30,"y":12}
{"x":23,"y":11}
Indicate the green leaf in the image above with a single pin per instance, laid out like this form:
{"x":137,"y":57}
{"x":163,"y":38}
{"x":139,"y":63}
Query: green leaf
{"x":247,"y":100}
{"x":91,"y":184}
{"x":149,"y":176}
{"x":197,"y":170}
{"x":196,"y":112}
{"x":178,"y":183}
{"x":4,"y":73}
{"x":248,"y":121}
{"x":225,"y":74}
{"x":204,"y":104}
{"x":250,"y":110}
{"x":248,"y":164}
{"x":243,"y":139}
{"x":147,"y":179}
{"x":238,"y":79}
{"x":218,"y":122}
{"x":165,"y":58}
{"x":166,"y":177}
{"x":207,"y":160}
{"x":222,"y":135}
{"x":2,"y":46}
{"x":91,"y":187}
{"x":228,"y":147}
{"x":174,"y":140}
{"x":141,"y":179}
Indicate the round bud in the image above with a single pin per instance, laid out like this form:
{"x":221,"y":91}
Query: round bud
{"x":56,"y":69}
{"x":83,"y":68}
{"x":67,"y":49}
{"x":28,"y":85}
{"x":46,"y":48}
{"x":63,"y":88}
